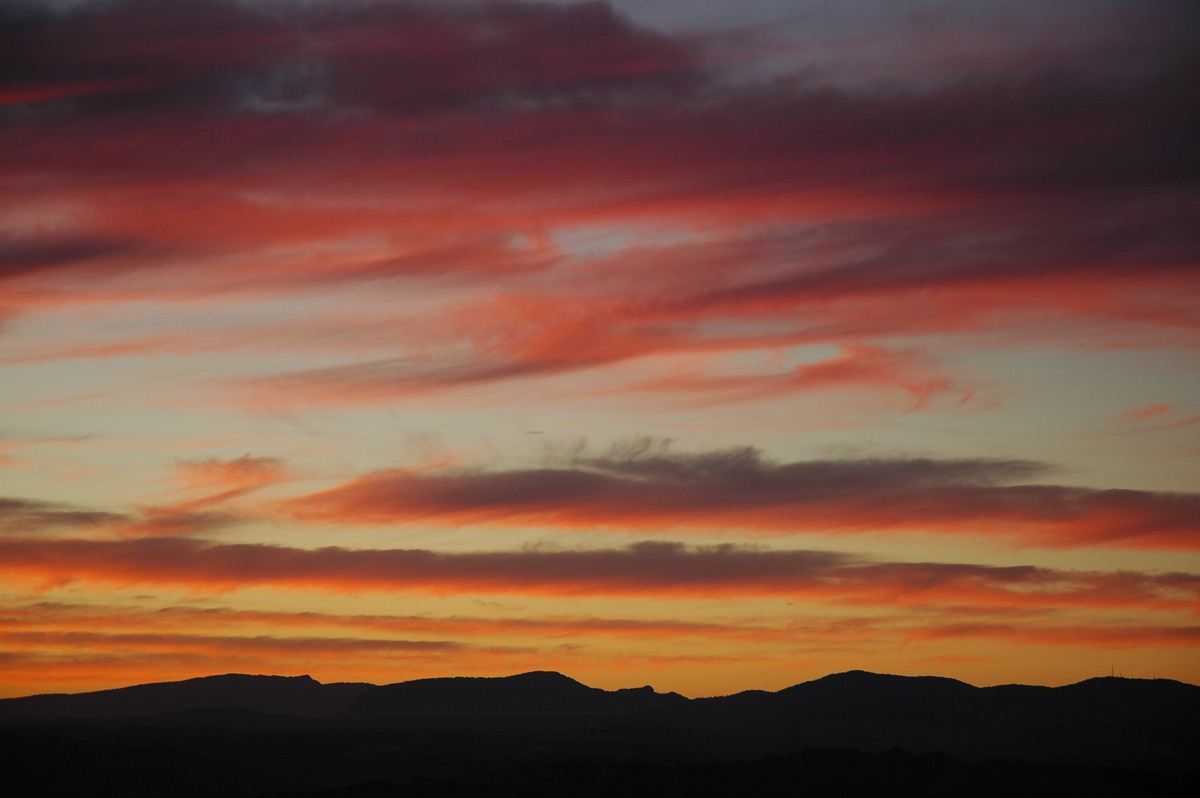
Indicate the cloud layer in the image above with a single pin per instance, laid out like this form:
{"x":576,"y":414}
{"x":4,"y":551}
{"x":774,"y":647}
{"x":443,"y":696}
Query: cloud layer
{"x":647,"y":568}
{"x":285,"y":147}
{"x":642,"y":486}
{"x":915,"y":289}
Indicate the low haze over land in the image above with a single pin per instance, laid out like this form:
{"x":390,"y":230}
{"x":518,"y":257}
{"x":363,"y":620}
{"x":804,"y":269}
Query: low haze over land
{"x":706,"y":345}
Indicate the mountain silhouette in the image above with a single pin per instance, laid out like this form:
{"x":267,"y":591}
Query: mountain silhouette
{"x":543,"y":733}
{"x":535,"y":694}
{"x":839,"y":700}
{"x":854,"y":692}
{"x":284,"y":695}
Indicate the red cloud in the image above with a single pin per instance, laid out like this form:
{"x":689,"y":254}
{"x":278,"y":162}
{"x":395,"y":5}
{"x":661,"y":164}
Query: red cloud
{"x":521,"y":105}
{"x":58,"y":618}
{"x":662,"y":569}
{"x":260,"y":153}
{"x":55,"y":643}
{"x":737,"y":489}
{"x":295,"y":630}
{"x":1102,"y":635}
{"x":1136,"y":414}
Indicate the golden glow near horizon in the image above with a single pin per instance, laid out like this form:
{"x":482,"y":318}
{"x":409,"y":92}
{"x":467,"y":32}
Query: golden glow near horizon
{"x":388,"y":340}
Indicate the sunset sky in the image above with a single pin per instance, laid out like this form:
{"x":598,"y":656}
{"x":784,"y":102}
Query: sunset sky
{"x":705,"y":344}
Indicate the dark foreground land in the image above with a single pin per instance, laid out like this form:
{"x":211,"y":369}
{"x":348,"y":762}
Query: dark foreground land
{"x":854,"y":734}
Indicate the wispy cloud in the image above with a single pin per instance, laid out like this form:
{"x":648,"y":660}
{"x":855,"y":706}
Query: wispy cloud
{"x":25,"y":517}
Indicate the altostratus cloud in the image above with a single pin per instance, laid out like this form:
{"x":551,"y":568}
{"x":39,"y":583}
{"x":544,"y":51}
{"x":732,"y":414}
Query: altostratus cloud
{"x":287,"y":123}
{"x":740,"y":489}
{"x":57,"y":618}
{"x":647,"y":568}
{"x":118,"y":627}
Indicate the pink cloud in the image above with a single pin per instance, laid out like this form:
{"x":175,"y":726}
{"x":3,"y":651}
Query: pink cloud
{"x":1144,"y":412}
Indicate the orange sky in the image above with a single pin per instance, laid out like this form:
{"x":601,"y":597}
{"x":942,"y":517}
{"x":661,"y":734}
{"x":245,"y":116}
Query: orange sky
{"x":704,"y":345}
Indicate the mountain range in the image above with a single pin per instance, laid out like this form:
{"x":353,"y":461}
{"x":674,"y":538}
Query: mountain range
{"x":842,"y":696}
{"x":400,"y":731}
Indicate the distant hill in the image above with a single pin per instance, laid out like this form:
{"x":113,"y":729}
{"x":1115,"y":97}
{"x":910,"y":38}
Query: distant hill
{"x":857,"y":695}
{"x":283,"y":695}
{"x":536,"y":694}
{"x":1104,"y":719}
{"x":543,"y":733}
{"x":1113,"y":720}
{"x":839,"y":698}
